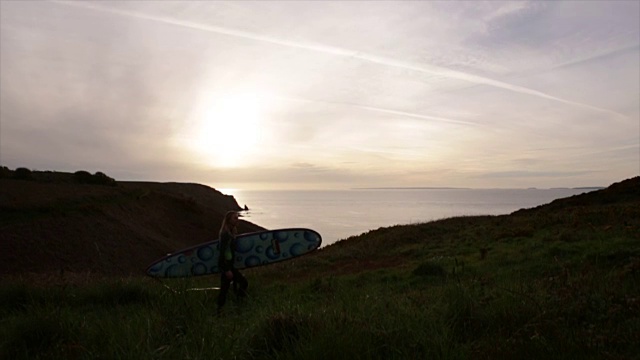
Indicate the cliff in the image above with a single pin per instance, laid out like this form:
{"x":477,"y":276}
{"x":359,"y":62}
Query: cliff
{"x":49,"y":224}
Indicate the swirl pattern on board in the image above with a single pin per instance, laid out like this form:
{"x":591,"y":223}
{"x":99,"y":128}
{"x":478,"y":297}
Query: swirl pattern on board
{"x":252,"y":250}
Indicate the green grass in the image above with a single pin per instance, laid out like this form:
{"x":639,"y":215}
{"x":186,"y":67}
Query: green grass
{"x":561,"y":284}
{"x":383,"y":314}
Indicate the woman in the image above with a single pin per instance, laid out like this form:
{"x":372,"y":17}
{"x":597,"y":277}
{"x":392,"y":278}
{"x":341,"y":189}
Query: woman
{"x":228,"y":273}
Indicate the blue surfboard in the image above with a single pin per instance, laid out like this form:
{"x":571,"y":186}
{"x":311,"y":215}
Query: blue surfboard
{"x":252,"y":249}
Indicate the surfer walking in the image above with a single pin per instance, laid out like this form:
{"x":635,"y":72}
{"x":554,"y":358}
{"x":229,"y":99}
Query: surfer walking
{"x":228,"y":273}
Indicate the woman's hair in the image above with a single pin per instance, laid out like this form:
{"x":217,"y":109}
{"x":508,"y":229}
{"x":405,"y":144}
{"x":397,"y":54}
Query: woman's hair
{"x":226,"y":221}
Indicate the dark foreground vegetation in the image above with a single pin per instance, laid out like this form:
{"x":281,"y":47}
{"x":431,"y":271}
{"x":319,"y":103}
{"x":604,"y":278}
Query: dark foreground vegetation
{"x":560,"y":281}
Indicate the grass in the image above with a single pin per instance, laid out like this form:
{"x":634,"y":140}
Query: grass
{"x":559,"y":283}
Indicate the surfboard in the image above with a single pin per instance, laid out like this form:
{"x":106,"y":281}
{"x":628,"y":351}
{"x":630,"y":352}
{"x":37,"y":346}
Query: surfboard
{"x":252,"y":249}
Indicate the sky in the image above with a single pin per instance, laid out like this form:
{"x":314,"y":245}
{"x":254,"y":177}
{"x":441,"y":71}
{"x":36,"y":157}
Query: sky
{"x":259,"y":95}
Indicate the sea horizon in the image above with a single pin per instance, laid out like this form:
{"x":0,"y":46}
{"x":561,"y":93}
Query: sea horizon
{"x":237,"y":190}
{"x":471,"y":188}
{"x":339,"y":214}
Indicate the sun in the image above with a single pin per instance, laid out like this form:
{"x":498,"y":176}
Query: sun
{"x":226,"y":128}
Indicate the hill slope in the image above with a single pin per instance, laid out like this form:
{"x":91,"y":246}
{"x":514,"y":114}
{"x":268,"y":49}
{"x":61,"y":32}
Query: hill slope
{"x":559,"y":281}
{"x":53,"y":226}
{"x":599,"y":224}
{"x":58,"y":226}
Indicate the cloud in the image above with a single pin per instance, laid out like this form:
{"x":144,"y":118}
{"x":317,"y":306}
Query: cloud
{"x":425,"y":68}
{"x":422,"y":93}
{"x":385,"y":111}
{"x":534,"y":174}
{"x":603,"y":55}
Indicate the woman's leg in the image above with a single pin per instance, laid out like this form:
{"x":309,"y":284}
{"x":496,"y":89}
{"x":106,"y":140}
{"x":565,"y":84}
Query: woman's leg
{"x":224,"y":289}
{"x":242,"y":282}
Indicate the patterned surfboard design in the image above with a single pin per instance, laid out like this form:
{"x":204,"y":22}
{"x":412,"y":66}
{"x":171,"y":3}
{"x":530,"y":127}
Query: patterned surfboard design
{"x":252,"y":249}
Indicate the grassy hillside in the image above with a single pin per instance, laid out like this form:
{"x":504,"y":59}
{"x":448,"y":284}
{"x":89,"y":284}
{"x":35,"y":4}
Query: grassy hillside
{"x":51,"y":224}
{"x":560,"y":281}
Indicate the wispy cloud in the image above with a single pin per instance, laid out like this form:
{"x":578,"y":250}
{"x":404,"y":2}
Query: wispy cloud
{"x":596,"y":57}
{"x":367,"y":93}
{"x":534,"y":174}
{"x":384,"y":111}
{"x":424,"y":68}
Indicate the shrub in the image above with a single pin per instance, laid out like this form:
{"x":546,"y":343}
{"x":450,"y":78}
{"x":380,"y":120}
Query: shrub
{"x":99,"y":178}
{"x":5,"y":172}
{"x":23,"y":174}
{"x":83,"y":177}
{"x":102,"y":179}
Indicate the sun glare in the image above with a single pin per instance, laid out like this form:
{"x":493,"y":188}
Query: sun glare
{"x":227,"y":127}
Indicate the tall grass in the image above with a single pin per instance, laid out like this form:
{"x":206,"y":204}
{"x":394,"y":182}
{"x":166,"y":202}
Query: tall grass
{"x":535,"y":287}
{"x":391,"y":315}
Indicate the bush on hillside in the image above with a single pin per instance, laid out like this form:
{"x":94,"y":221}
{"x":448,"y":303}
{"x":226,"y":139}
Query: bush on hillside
{"x":102,"y":179}
{"x":83,"y":177}
{"x":5,"y":173}
{"x":23,"y":174}
{"x":99,"y":178}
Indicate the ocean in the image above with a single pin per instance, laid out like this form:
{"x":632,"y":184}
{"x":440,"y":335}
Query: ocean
{"x":339,"y":214}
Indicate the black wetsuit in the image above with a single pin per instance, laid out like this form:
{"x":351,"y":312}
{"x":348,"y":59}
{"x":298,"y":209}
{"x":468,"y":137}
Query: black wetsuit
{"x":225,"y":263}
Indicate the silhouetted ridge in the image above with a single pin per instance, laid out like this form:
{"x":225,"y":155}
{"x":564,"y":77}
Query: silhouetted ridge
{"x":620,"y":192}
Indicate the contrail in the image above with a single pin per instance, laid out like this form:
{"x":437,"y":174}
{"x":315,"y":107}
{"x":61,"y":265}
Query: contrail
{"x":382,"y":110}
{"x":419,"y":116}
{"x":428,"y":69}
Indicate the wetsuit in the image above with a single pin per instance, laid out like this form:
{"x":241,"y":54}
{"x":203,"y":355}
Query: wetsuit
{"x":225,"y":263}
